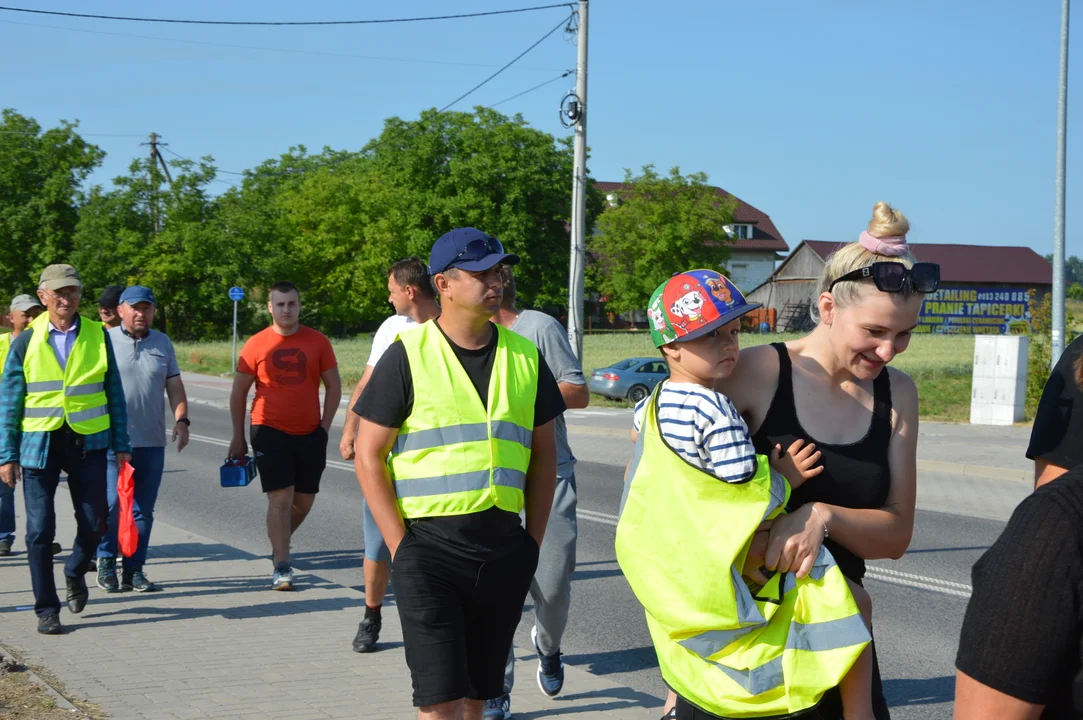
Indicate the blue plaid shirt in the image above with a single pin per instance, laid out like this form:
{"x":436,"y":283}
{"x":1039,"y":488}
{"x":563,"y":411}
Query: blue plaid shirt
{"x":31,"y":449}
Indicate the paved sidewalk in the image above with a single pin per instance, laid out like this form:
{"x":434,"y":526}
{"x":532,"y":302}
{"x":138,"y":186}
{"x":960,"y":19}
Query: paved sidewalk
{"x":216,"y":642}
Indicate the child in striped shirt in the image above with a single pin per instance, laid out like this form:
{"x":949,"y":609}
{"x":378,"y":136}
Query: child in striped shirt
{"x":696,"y":322}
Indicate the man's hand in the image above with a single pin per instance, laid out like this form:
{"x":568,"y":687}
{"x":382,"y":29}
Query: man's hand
{"x":798,"y":463}
{"x":346,"y":445}
{"x":123,"y":457}
{"x":10,"y":474}
{"x":180,"y":435}
{"x":238,"y":448}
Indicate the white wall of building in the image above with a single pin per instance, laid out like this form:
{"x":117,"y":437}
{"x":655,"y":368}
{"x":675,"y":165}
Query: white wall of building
{"x":748,"y":269}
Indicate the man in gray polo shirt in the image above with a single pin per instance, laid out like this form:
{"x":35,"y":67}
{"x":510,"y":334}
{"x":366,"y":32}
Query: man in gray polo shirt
{"x":551,"y":589}
{"x":148,"y":369}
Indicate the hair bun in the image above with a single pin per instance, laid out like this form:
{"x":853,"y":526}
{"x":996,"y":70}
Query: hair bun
{"x":887,"y":221}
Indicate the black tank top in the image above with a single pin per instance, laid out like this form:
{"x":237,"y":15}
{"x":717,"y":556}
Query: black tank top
{"x":855,"y":475}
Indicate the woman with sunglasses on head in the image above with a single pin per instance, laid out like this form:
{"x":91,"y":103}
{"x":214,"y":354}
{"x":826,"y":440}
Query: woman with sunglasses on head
{"x":833,"y":388}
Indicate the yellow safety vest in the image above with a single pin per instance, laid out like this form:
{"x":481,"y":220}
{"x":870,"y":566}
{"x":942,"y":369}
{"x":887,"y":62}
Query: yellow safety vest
{"x":453,"y":455}
{"x":77,"y":393}
{"x":5,"y":345}
{"x":682,"y":539}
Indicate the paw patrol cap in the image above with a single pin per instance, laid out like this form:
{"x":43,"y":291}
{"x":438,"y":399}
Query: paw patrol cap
{"x":693,"y":303}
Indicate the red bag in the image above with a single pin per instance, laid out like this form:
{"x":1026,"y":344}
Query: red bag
{"x":127,"y":532}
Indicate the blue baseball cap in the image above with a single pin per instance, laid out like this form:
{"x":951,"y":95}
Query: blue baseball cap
{"x":470,"y":249}
{"x":137,"y":294}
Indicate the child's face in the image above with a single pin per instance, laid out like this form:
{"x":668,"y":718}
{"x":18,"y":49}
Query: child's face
{"x":710,"y":357}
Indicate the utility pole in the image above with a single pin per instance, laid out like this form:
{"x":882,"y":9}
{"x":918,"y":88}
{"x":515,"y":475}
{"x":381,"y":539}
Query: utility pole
{"x":1058,"y":202}
{"x":579,"y":195}
{"x":155,"y":159}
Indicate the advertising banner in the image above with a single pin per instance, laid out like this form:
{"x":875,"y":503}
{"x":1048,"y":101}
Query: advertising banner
{"x":976,"y":311}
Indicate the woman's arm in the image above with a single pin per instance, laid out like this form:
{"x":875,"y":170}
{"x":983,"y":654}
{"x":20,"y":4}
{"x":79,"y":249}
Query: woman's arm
{"x":886,"y":532}
{"x":870,"y":534}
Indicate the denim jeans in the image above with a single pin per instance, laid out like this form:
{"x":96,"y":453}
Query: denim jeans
{"x":149,"y":463}
{"x":86,"y":484}
{"x":7,"y":513}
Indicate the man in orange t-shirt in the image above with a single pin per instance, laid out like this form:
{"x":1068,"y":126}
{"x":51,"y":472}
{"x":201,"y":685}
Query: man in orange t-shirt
{"x":287,"y":362}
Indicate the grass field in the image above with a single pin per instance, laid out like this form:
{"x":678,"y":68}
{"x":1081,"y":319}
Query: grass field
{"x":941,"y":365}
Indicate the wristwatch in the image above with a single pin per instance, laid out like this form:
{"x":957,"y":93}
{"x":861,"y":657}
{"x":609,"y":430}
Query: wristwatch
{"x":184,"y":420}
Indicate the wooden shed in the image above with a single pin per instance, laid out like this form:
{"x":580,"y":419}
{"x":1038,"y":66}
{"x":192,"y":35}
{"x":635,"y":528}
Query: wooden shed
{"x":984,"y":288}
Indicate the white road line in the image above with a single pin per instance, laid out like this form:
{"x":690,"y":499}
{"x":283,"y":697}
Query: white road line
{"x":222,"y":443}
{"x":875,"y":572}
{"x":598,"y":517}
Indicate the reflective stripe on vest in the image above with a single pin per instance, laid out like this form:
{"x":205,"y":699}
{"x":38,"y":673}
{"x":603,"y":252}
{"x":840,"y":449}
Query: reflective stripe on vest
{"x":75,"y":394}
{"x":454,"y":455}
{"x":681,"y":542}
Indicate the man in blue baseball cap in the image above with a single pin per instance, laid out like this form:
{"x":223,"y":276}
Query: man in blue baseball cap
{"x":149,"y":372}
{"x":456,"y":438}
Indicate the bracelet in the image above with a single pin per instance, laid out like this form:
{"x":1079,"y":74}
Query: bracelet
{"x":813,"y":508}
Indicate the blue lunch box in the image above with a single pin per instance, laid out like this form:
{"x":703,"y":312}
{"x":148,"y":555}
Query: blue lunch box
{"x":237,"y":473}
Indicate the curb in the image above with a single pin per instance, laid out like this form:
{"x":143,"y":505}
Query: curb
{"x":58,"y":697}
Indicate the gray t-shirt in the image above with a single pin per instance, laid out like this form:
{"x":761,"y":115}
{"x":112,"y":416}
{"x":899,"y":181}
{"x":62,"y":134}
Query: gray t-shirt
{"x":144,"y":365}
{"x":552,"y":340}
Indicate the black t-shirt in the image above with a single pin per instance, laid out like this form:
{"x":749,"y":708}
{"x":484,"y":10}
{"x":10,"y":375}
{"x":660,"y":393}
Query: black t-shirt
{"x":1023,"y":629}
{"x":1057,"y":434}
{"x":388,"y":399}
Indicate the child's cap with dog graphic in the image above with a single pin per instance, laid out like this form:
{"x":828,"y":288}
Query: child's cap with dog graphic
{"x":693,"y":303}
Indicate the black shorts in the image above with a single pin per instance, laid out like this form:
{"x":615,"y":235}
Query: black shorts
{"x":459,"y":616}
{"x":285,"y":460}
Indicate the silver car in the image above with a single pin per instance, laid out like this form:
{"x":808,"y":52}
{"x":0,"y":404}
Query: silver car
{"x":633,"y":378}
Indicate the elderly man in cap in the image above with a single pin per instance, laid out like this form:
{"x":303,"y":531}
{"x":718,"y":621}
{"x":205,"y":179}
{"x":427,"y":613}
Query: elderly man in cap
{"x":107,"y":306}
{"x":61,"y":408}
{"x":148,"y":367}
{"x":22,"y":311}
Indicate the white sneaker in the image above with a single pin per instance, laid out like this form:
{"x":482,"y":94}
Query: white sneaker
{"x":282,"y":578}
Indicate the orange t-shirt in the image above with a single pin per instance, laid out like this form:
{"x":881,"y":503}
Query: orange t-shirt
{"x":287,"y":370}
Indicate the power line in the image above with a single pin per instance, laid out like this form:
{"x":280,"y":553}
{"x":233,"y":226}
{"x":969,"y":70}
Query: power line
{"x":80,"y":134}
{"x":469,"y":92}
{"x":536,"y":87}
{"x":281,"y":23}
{"x":233,"y":46}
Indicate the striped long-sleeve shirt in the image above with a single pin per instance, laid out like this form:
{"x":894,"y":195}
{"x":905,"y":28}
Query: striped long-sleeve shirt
{"x":704,"y":428}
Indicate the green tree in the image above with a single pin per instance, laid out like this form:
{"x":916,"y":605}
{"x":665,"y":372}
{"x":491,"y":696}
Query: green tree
{"x":485,"y":170}
{"x":41,"y":172}
{"x":662,"y":225}
{"x":181,"y":259}
{"x":1073,"y":268}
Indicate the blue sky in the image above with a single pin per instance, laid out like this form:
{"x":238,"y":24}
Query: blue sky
{"x":811,"y":111}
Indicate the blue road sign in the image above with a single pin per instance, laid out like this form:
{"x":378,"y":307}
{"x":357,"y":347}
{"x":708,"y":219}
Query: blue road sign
{"x":236,"y":294}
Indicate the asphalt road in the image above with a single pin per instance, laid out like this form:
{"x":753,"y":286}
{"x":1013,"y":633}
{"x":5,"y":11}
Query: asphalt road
{"x":919,"y":601}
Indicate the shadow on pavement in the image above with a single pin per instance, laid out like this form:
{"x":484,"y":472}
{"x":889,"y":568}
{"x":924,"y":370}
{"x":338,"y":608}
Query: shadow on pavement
{"x":927,"y":691}
{"x":615,"y":661}
{"x":612,"y":699}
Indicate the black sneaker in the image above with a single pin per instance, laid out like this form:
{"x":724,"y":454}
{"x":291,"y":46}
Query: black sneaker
{"x":550,"y":668}
{"x":49,"y":624}
{"x":368,"y":633}
{"x":5,"y":548}
{"x":77,"y":594}
{"x":107,"y":575}
{"x":57,"y":550}
{"x":137,"y":581}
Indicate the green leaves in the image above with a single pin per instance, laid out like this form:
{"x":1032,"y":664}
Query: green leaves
{"x":40,"y":175}
{"x":662,"y":225}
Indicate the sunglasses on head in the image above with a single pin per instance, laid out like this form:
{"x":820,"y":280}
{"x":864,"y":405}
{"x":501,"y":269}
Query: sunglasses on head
{"x":891,"y":277}
{"x":476,"y":250}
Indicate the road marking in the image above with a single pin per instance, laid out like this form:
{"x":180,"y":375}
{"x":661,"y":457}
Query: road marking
{"x":598,"y":517}
{"x":222,"y":443}
{"x":875,"y":572}
{"x":944,"y":587}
